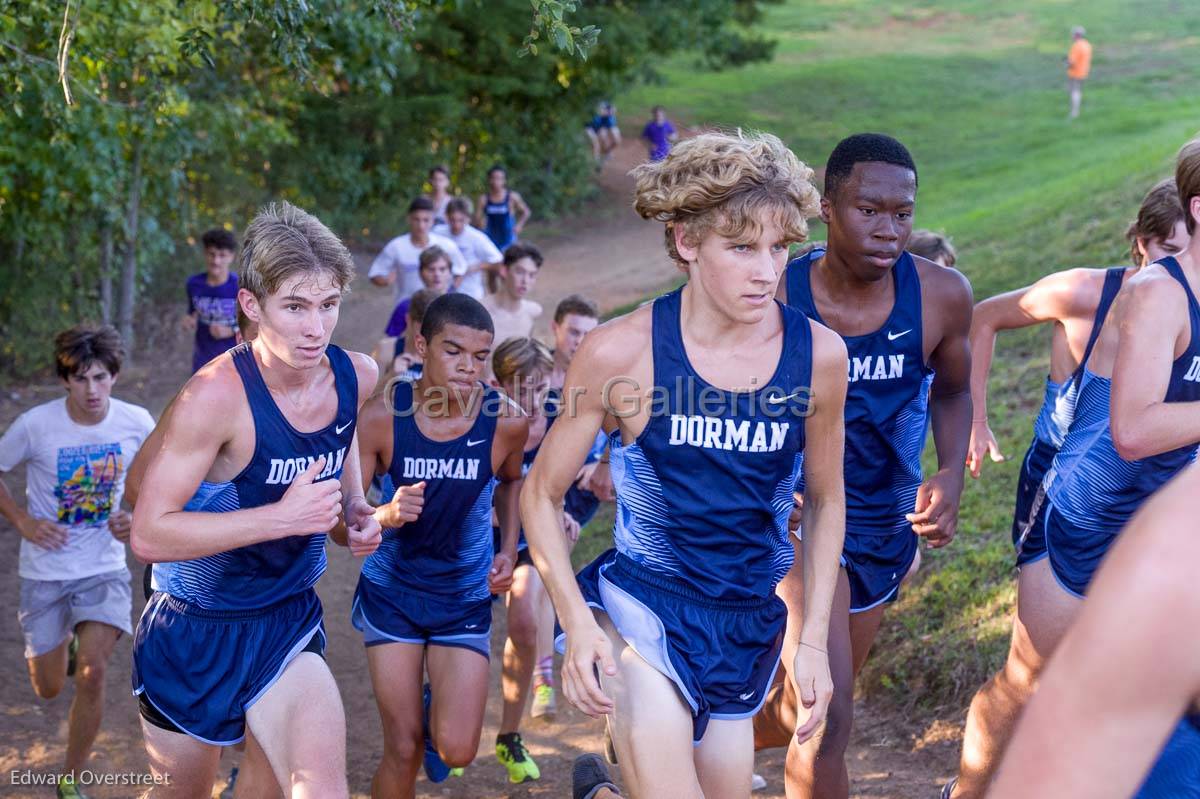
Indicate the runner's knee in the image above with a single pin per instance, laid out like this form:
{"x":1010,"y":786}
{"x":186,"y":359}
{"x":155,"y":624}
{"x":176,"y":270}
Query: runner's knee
{"x":404,"y":744}
{"x":456,"y":745}
{"x":522,"y":625}
{"x":89,"y":676}
{"x":47,"y":686}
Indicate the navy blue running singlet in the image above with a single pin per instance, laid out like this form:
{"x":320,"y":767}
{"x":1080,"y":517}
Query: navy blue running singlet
{"x":448,"y":549}
{"x":704,"y":492}
{"x":262,"y":574}
{"x":887,"y":403}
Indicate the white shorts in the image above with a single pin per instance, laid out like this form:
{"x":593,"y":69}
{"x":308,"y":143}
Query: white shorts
{"x":51,"y":609}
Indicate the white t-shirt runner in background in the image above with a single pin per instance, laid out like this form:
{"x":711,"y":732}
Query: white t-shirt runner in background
{"x":476,"y":248}
{"x":401,"y":257}
{"x":74,"y":476}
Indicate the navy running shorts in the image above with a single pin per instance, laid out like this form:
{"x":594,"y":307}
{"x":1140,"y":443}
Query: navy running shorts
{"x":1029,"y":516}
{"x":875,"y":565}
{"x":203,"y":669}
{"x":720,"y":654}
{"x":1075,"y":554}
{"x":390,"y":615}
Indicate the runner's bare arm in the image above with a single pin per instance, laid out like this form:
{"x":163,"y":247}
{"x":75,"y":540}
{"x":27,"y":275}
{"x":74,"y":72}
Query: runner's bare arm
{"x":162,"y":531}
{"x":824,"y":525}
{"x":606,"y":352}
{"x":935,"y":515}
{"x":522,"y":211}
{"x":357,"y":528}
{"x":512,"y":429}
{"x":43,"y":532}
{"x":477,"y":219}
{"x":374,"y":439}
{"x":1152,"y":316}
{"x":145,"y":454}
{"x":383,"y":269}
{"x":353,"y":473}
{"x":375,"y":422}
{"x":1054,"y":298}
{"x":1125,"y":673}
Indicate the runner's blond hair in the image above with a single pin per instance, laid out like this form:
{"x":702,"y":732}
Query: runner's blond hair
{"x":283,"y":241}
{"x":727,"y":183}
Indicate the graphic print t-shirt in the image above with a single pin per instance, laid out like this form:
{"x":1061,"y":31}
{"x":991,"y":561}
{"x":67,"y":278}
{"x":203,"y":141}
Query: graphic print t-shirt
{"x":75,"y":477}
{"x":213,"y":305}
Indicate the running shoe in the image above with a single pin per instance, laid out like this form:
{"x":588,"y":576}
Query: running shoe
{"x":589,"y":776}
{"x":757,"y":782}
{"x":436,"y":769}
{"x":512,"y":754}
{"x":67,"y":789}
{"x":948,"y":789}
{"x":543,"y":701}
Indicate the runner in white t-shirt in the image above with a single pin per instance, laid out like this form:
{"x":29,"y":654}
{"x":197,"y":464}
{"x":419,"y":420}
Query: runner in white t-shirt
{"x":399,"y":261}
{"x":478,"y":250}
{"x":74,"y":582}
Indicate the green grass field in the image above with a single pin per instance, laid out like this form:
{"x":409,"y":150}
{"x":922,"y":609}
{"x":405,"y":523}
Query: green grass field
{"x":976,"y":89}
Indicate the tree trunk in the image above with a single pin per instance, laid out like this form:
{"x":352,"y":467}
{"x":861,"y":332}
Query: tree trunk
{"x":129,"y":264}
{"x":71,"y":246}
{"x":106,"y":263}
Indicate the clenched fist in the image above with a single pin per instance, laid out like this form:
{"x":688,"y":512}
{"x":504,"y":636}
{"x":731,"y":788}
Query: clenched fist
{"x":311,"y":507}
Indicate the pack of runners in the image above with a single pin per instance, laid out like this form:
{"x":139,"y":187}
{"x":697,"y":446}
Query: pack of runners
{"x":761,"y":431}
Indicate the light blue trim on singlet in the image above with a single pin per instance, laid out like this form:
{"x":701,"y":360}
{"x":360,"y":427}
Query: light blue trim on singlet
{"x":1057,"y":411}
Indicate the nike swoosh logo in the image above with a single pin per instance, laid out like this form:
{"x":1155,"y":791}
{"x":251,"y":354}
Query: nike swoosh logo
{"x":337,"y":431}
{"x":471,"y":626}
{"x":746,"y":696}
{"x":471,"y":443}
{"x":894,"y":336}
{"x":778,"y":400}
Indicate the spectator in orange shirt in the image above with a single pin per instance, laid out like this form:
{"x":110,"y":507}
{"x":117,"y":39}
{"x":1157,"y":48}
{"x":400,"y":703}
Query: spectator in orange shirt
{"x":1079,"y":63}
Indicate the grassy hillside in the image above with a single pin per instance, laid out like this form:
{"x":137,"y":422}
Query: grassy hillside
{"x":976,"y":89}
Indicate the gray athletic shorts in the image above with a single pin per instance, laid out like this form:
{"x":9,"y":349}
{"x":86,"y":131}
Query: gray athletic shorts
{"x":51,"y":609}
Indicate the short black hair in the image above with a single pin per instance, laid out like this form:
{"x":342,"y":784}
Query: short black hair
{"x":864,"y":148}
{"x":496,"y":168}
{"x":458,"y":205}
{"x":420,"y":204}
{"x":515,"y":252}
{"x":76,"y":349}
{"x":220,"y":238}
{"x":455,"y":309}
{"x":433,"y":170}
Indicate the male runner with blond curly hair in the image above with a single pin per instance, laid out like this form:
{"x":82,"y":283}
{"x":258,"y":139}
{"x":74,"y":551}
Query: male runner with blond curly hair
{"x":711,"y":394}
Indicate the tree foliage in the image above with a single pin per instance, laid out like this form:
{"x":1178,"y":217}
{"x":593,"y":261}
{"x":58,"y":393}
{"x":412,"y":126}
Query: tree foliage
{"x":130,"y":126}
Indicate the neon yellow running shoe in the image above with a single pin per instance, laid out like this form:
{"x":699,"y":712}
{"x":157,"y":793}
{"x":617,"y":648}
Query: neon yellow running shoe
{"x":543,"y":701}
{"x":67,"y":789}
{"x":512,"y":754}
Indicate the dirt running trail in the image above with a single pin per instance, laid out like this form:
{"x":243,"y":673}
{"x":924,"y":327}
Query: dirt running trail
{"x":605,"y":253}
